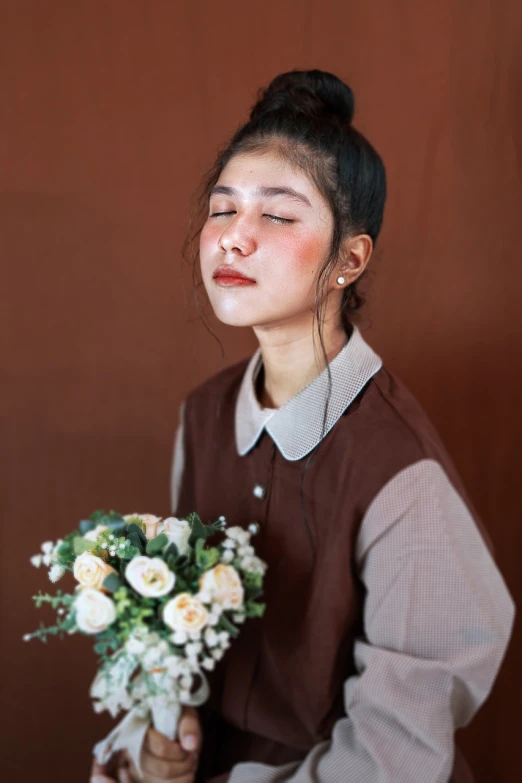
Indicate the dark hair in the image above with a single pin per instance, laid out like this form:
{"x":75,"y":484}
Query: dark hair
{"x":306,"y":117}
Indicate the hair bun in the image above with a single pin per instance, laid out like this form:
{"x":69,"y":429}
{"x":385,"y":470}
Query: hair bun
{"x":315,"y":93}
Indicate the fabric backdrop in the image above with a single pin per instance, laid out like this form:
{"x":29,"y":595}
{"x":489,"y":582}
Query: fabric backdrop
{"x":110,"y":112}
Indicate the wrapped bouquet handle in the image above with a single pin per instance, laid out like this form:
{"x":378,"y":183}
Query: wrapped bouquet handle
{"x":163,"y":714}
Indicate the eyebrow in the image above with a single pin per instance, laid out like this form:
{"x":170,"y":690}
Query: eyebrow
{"x":268,"y":192}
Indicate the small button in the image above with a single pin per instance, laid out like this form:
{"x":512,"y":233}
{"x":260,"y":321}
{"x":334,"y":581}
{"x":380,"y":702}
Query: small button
{"x":259,"y":491}
{"x":254,"y":528}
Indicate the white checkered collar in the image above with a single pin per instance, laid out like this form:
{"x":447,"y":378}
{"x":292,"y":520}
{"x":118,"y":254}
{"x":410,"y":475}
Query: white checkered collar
{"x":297,"y":426}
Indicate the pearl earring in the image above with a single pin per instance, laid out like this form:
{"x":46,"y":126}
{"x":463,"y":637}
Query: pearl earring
{"x":340,"y":280}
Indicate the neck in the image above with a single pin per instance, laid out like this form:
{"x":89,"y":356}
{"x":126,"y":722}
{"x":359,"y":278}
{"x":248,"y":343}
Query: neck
{"x":292,"y":359}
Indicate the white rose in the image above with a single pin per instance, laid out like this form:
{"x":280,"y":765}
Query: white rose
{"x":150,"y":576}
{"x":93,"y":534}
{"x":90,"y":571}
{"x":185,"y":612}
{"x":95,"y":611}
{"x":178,"y":532}
{"x":224,"y":584}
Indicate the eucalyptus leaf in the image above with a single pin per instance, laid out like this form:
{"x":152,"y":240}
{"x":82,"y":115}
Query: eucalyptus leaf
{"x":171,"y":550}
{"x":136,"y":529}
{"x":112,"y":582}
{"x":81,"y":545}
{"x":157,"y":544}
{"x":85,"y":526}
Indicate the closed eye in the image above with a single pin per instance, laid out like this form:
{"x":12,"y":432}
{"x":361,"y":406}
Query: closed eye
{"x":277,"y":219}
{"x":273,"y":218}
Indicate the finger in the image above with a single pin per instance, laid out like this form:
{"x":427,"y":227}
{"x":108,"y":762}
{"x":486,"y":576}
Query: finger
{"x":98,"y":774}
{"x":190,"y":729}
{"x":154,"y":767}
{"x":158,"y":745}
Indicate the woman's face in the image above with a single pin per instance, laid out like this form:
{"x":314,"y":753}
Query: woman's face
{"x":269,"y":223}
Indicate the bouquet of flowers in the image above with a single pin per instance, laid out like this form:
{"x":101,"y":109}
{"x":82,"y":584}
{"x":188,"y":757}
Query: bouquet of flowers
{"x":162,"y":605}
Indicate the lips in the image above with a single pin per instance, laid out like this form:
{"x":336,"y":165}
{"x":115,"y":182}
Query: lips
{"x":226,"y":275}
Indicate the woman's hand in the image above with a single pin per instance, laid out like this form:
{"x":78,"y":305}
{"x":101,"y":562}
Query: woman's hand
{"x":162,"y":760}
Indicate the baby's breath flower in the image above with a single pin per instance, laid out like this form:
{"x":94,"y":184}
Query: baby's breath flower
{"x":211,"y":637}
{"x":217,"y":653}
{"x":56,"y":572}
{"x":36,"y":561}
{"x":238,"y":618}
{"x":228,"y":556}
{"x":208,"y":663}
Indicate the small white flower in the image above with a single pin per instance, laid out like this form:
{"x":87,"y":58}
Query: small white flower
{"x":217,"y":653}
{"x":56,"y":572}
{"x":195,"y":635}
{"x":211,"y":637}
{"x":26,"y":637}
{"x":213,"y":619}
{"x":229,"y":544}
{"x":243,"y":551}
{"x":193,"y":649}
{"x":36,"y":560}
{"x":239,"y":618}
{"x":179,"y":637}
{"x":47,"y":560}
{"x":208,"y":663}
{"x":224,"y":637}
{"x":47,"y":547}
{"x":135,"y":646}
{"x":228,"y":556}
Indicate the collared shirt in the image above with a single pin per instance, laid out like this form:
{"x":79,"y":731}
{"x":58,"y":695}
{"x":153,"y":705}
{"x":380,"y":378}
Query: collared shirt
{"x":437,"y":614}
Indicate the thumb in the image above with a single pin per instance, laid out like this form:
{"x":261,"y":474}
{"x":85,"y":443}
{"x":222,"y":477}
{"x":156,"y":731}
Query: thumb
{"x":190,"y":729}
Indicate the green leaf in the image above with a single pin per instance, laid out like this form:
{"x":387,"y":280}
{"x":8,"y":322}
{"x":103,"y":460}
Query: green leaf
{"x":254,"y":610}
{"x":112,"y":582}
{"x":253,"y":580}
{"x":157,"y":544}
{"x":171,"y":551}
{"x":133,"y":527}
{"x":198,"y":529}
{"x":229,"y":626}
{"x":81,"y":545}
{"x":85,"y":526}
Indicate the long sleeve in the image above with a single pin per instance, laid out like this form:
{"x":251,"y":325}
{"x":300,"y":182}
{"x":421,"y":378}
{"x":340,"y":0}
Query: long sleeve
{"x":437,"y":620}
{"x":178,"y":461}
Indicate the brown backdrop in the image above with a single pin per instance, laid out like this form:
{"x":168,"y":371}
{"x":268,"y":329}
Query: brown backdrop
{"x":110,"y":111}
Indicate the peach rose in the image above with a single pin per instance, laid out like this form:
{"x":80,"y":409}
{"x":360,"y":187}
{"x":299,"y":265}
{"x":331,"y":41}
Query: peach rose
{"x":186,"y":613}
{"x":95,"y":611}
{"x":150,"y":576}
{"x":90,"y":570}
{"x":153,"y":525}
{"x":223,"y":584}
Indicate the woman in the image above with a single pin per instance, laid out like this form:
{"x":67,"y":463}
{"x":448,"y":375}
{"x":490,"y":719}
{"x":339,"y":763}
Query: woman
{"x":387,"y":619}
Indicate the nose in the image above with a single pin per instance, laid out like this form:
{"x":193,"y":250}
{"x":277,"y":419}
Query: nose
{"x":237,"y":238}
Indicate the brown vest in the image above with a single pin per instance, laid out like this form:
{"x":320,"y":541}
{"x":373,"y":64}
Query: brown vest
{"x":279,"y":689}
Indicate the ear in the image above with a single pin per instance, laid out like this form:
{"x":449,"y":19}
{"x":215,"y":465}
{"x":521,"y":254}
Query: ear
{"x":354,"y":256}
